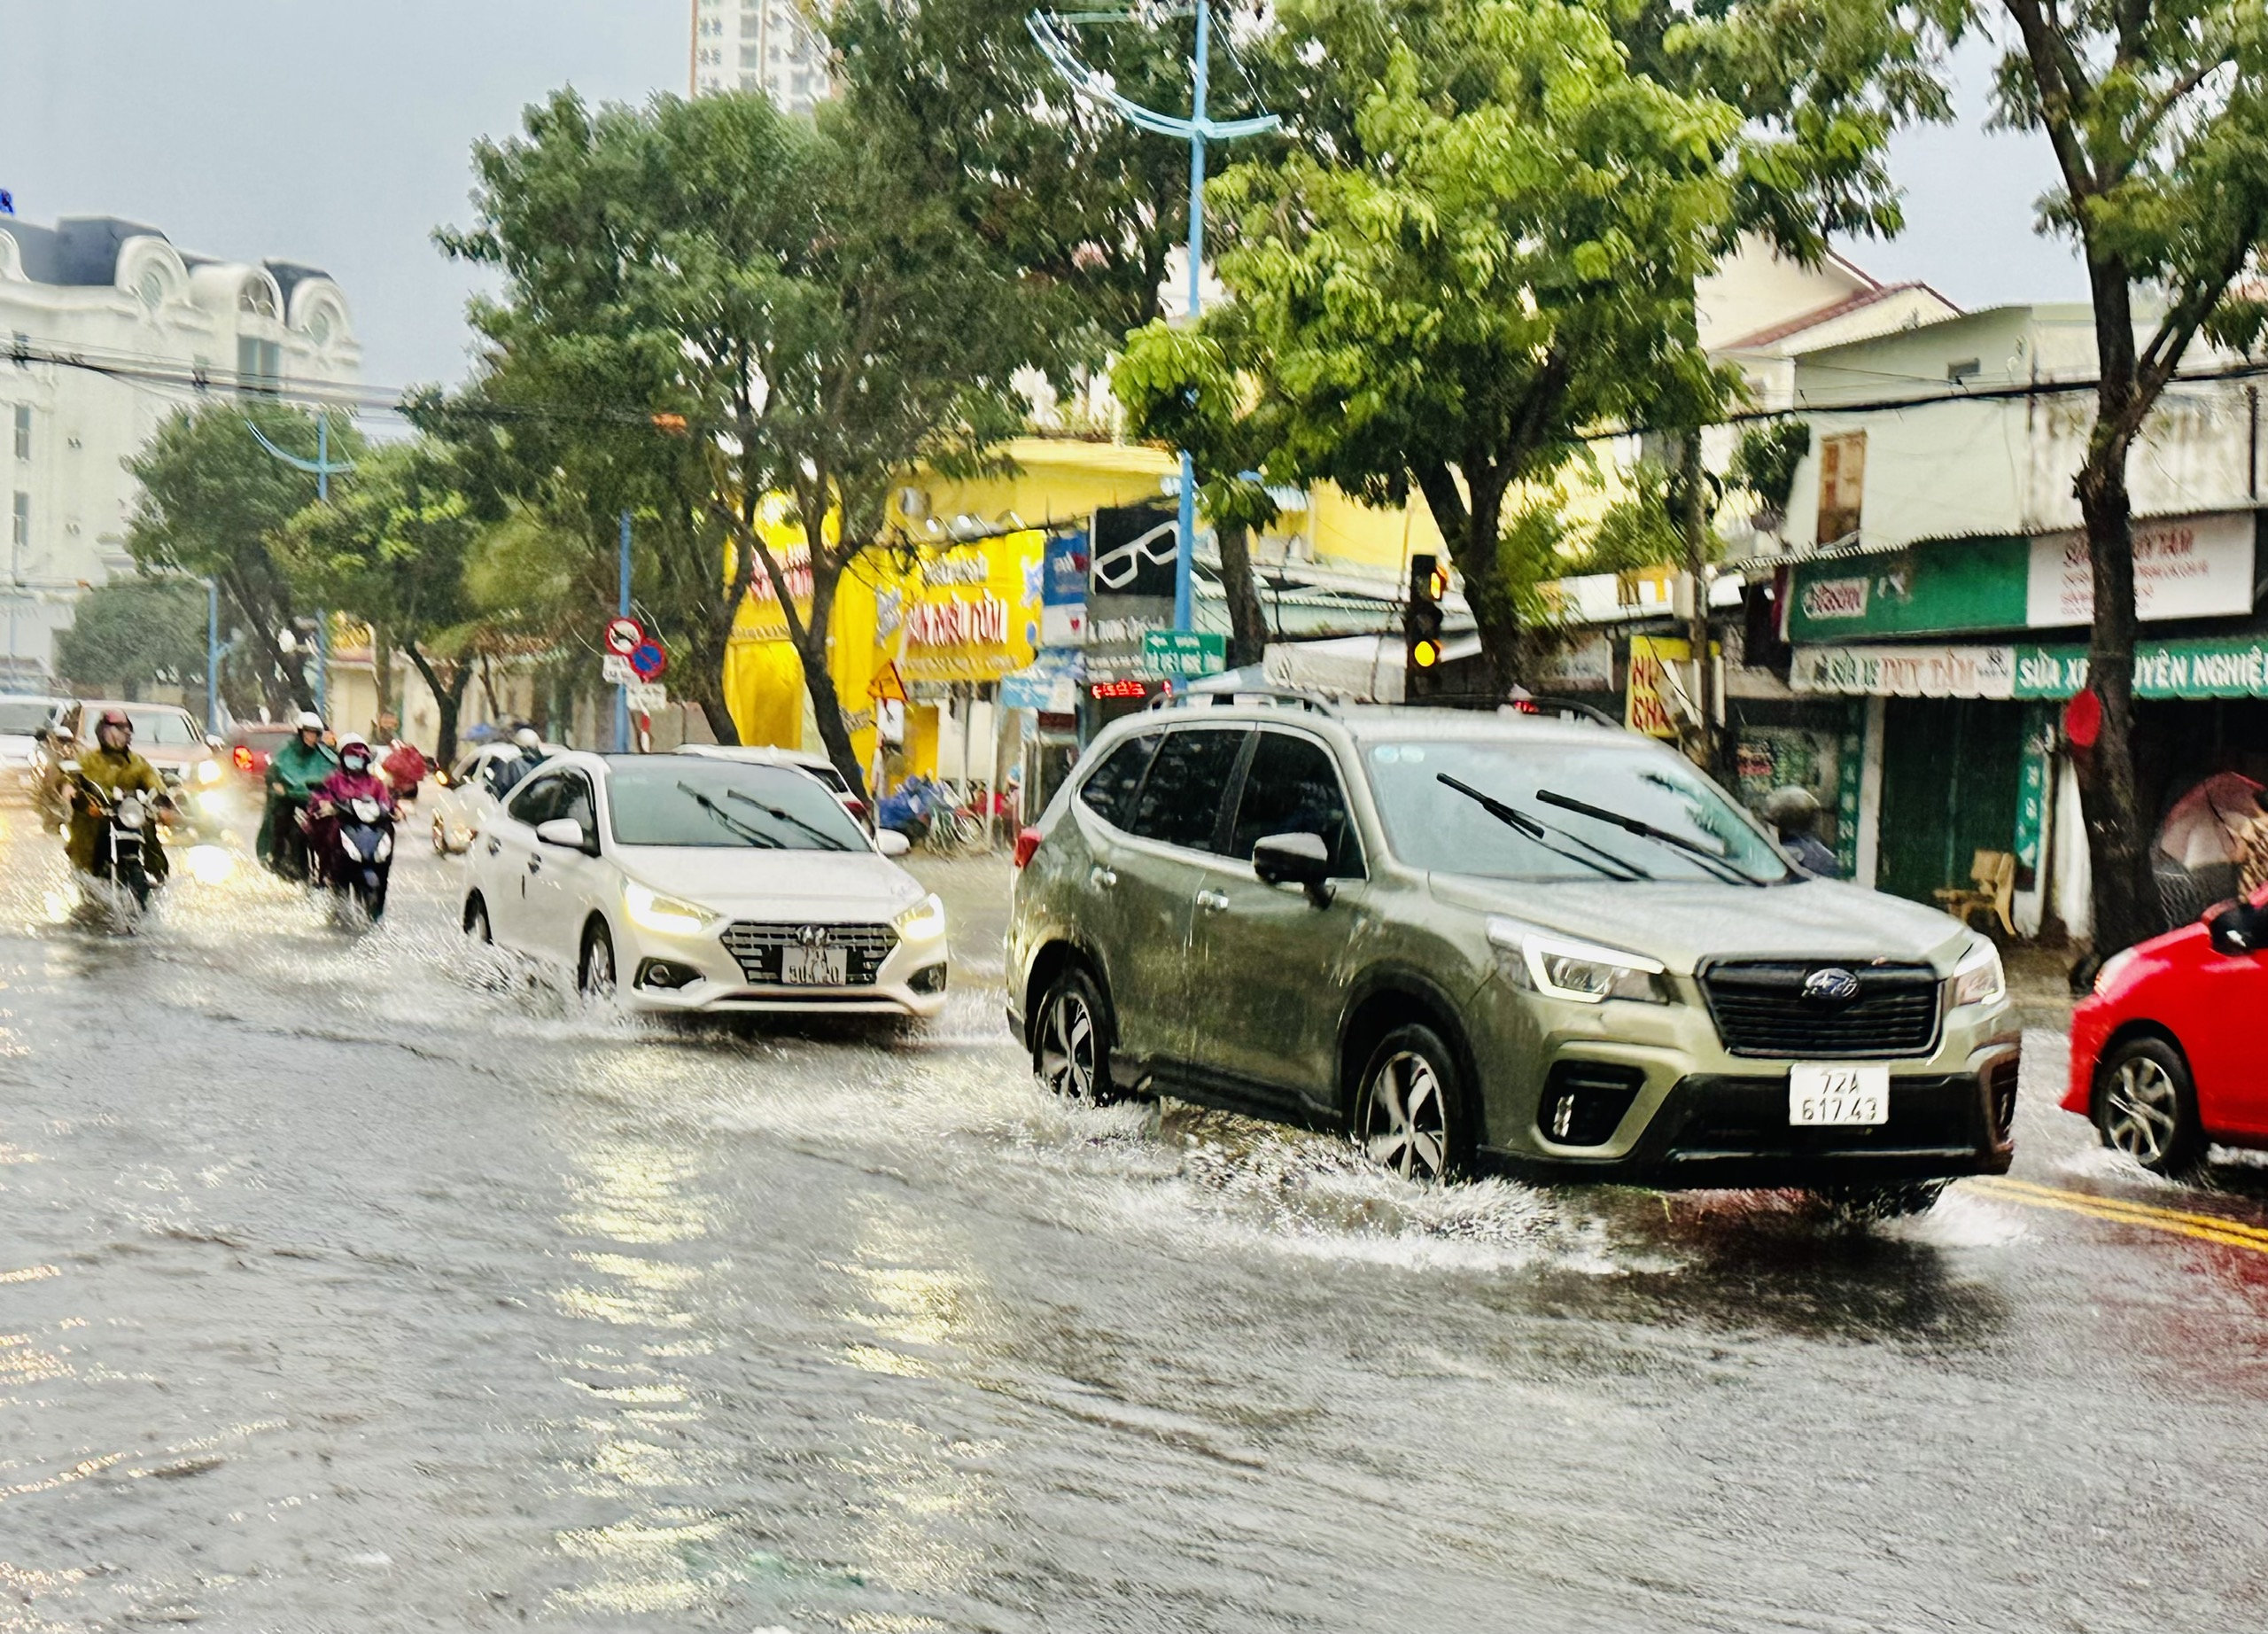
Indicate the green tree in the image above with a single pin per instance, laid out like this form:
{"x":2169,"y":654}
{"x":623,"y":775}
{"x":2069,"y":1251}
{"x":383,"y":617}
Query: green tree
{"x":1490,"y":247}
{"x":1204,"y":389}
{"x":132,"y":633}
{"x":212,"y":502}
{"x":392,"y":547}
{"x":805,"y":319}
{"x":2157,"y":114}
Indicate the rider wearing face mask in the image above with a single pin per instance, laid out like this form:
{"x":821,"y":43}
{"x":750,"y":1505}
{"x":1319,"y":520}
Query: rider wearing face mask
{"x":113,"y":767}
{"x":356,"y":778}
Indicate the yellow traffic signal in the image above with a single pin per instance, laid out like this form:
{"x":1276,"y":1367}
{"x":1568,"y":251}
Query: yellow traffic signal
{"x":1438,"y":581}
{"x":1426,"y":654}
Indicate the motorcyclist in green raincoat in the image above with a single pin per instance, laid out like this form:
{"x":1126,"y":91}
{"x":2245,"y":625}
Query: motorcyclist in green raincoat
{"x":301,"y":763}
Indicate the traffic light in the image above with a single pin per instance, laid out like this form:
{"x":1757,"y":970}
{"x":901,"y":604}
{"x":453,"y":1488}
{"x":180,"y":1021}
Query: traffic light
{"x":1421,"y":627}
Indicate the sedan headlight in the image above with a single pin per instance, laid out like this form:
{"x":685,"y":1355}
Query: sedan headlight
{"x":924,"y":922}
{"x":1543,"y":961}
{"x":667,"y":914}
{"x":208,"y":772}
{"x":1978,"y":979}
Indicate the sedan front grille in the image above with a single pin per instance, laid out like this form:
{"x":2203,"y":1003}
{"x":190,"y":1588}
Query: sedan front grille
{"x":1764,"y":1007}
{"x":757,"y":949}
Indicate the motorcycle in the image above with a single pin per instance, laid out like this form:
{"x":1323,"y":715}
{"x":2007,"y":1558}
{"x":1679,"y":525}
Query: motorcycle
{"x":121,"y":853}
{"x":361,"y":859}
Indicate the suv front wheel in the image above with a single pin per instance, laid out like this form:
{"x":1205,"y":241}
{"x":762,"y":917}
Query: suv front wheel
{"x":1409,"y":1108}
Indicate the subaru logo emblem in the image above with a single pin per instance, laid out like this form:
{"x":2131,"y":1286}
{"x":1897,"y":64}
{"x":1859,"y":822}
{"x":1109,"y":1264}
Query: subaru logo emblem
{"x":1832,"y":986}
{"x":815,"y":936}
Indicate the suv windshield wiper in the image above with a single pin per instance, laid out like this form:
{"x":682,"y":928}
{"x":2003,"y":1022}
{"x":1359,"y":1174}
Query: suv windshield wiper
{"x":818,"y":833}
{"x":1723,"y":868}
{"x":1521,"y":823}
{"x":753,"y":835}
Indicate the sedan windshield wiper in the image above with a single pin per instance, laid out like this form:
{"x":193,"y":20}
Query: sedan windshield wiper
{"x":1521,"y":823}
{"x":818,"y":833}
{"x":753,"y":835}
{"x":1723,"y":868}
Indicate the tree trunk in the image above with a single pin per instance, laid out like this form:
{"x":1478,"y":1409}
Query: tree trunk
{"x":2126,"y":905}
{"x":827,"y":704}
{"x":1248,"y":622}
{"x":1693,"y":529}
{"x":382,"y":672}
{"x":1471,"y":532}
{"x":722,"y":726}
{"x":449,"y":700}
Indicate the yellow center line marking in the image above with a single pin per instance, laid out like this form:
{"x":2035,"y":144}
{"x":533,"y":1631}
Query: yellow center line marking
{"x":2205,"y":1227}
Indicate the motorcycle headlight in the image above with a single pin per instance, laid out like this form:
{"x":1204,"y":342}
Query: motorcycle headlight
{"x":1542,"y":962}
{"x":208,"y":772}
{"x":353,"y":852}
{"x":1978,"y":979}
{"x":130,"y":814}
{"x":667,"y":914}
{"x":924,"y":922}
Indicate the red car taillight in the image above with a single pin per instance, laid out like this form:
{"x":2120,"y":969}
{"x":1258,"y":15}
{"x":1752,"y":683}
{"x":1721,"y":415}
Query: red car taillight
{"x":243,"y":758}
{"x":1027,"y":841}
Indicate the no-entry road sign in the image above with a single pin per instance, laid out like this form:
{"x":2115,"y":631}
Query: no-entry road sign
{"x":624,"y":636}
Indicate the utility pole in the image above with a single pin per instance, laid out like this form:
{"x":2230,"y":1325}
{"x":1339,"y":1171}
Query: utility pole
{"x":321,"y":468}
{"x":1048,"y":32}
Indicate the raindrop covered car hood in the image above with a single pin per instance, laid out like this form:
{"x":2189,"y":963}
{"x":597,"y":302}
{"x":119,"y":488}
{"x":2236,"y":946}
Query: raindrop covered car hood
{"x":820,"y":885}
{"x":1687,"y":923}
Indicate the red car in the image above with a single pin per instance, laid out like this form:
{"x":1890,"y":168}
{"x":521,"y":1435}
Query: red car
{"x":2172,"y":1051}
{"x":251,"y":746}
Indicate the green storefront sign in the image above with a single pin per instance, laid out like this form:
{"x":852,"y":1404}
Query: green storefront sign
{"x":1968,"y":584}
{"x":2233,"y":666}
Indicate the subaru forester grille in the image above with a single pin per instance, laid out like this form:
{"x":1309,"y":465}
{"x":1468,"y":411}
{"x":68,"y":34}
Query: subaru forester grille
{"x":758,"y":948}
{"x":1822,"y":1010}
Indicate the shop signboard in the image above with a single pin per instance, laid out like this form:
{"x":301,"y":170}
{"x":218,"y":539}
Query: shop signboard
{"x":1581,"y":664}
{"x":1129,"y":587}
{"x":1655,"y":703}
{"x":2233,"y":666}
{"x":2185,"y":567}
{"x":1909,"y":672}
{"x":1063,"y":592}
{"x":1174,"y":654}
{"x":2032,"y":795}
{"x":971,"y":617}
{"x":1050,"y":683}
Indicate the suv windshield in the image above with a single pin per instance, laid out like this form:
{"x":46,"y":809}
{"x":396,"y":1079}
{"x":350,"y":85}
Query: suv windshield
{"x":1435,"y":826}
{"x":691,"y":800}
{"x":164,"y":728}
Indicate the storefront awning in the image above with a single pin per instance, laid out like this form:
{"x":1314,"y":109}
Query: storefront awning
{"x":2227,"y":666}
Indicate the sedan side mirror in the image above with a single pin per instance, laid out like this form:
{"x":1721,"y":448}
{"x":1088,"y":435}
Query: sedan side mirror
{"x":564,"y":832}
{"x":890,"y":842}
{"x":1302,"y":859}
{"x":2238,"y":930}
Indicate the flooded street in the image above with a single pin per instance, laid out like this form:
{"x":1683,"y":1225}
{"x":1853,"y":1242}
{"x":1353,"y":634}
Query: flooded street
{"x":372,"y":1285}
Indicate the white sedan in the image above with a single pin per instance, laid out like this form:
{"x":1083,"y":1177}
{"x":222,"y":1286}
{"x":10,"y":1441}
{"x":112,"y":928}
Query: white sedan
{"x":683,"y":883}
{"x":464,"y":797}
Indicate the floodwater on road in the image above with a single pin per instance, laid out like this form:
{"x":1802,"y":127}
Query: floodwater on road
{"x":371,"y":1284}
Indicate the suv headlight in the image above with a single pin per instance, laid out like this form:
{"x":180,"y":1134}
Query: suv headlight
{"x":667,"y":914}
{"x":924,"y":922}
{"x":1542,"y":962}
{"x":1978,"y":979}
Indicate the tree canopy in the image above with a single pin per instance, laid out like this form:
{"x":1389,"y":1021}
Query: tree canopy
{"x":133,"y":634}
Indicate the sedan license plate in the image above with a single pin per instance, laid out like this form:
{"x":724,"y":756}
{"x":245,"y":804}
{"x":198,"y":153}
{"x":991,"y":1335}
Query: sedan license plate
{"x":1845,"y":1095}
{"x":814,"y":966}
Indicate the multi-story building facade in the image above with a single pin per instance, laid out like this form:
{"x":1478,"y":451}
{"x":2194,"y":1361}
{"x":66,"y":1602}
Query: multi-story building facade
{"x":116,"y":293}
{"x":762,"y":45}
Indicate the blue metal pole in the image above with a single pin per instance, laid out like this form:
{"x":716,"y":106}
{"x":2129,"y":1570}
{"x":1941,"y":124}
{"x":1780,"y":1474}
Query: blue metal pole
{"x":322,"y":618}
{"x":213,"y":656}
{"x":622,"y":606}
{"x":1184,"y":560}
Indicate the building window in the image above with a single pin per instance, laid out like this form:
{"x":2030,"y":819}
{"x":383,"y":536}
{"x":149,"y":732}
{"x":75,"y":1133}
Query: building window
{"x":257,"y":299}
{"x":23,"y":430}
{"x":749,"y":57}
{"x":1841,"y":485}
{"x":20,"y":526}
{"x":259,"y":365}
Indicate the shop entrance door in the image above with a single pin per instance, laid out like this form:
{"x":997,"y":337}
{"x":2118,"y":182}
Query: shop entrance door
{"x":1950,"y":771}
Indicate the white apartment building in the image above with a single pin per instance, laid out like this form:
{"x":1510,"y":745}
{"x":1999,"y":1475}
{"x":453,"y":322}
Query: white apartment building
{"x":766,"y":46}
{"x":117,"y":292}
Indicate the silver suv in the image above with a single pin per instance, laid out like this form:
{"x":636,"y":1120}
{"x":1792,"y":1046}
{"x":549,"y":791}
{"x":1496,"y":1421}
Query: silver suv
{"x":1497,"y":941}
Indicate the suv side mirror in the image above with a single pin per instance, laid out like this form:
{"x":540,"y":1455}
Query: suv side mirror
{"x":890,"y":842}
{"x":1295,"y":859}
{"x":2238,"y":930}
{"x":562,"y":832}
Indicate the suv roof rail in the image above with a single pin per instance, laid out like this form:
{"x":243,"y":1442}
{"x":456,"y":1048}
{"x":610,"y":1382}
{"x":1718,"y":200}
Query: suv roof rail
{"x":1231,"y":695}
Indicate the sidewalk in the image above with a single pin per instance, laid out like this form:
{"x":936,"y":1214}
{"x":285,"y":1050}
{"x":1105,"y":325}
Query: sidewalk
{"x":2038,"y":979}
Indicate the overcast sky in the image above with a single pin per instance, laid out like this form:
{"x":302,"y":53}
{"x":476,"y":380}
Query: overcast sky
{"x":338,"y":134}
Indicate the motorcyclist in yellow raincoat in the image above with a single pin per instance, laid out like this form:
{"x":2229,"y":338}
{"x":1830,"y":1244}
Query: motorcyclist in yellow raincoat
{"x":112,"y":767}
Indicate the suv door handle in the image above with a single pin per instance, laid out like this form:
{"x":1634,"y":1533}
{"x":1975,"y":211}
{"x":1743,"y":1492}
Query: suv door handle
{"x":1102,"y":876}
{"x":1213,"y":901}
